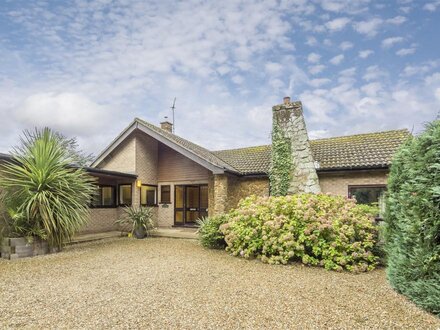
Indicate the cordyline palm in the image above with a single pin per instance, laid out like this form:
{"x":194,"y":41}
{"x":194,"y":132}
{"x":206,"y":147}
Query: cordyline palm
{"x":46,"y":196}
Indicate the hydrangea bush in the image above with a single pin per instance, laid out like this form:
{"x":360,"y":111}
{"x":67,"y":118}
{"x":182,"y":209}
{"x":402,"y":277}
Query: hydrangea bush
{"x":320,"y":230}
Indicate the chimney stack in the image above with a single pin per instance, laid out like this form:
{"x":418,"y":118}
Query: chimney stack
{"x":289,"y":127}
{"x":167,"y":126}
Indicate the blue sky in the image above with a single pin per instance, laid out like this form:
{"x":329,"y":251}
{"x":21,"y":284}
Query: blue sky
{"x":87,"y":68}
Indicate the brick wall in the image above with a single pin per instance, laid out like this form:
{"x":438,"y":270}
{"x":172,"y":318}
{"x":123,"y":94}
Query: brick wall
{"x":101,"y":220}
{"x":123,"y":158}
{"x":337,"y":183}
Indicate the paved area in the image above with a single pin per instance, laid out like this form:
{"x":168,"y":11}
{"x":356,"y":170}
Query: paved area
{"x":175,"y":232}
{"x":162,"y":283}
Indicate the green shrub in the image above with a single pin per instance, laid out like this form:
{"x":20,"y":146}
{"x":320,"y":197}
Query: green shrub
{"x":412,"y":220}
{"x":319,"y":230}
{"x":44,"y":195}
{"x":138,"y":220}
{"x":209,"y":232}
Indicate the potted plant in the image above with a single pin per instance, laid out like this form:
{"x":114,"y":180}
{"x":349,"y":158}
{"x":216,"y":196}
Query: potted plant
{"x":140,"y":219}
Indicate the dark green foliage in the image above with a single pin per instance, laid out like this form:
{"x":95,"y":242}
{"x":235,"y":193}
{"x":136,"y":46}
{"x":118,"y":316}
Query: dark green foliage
{"x":281,"y":166}
{"x":209,"y":232}
{"x":412,"y":232}
{"x":43,"y":194}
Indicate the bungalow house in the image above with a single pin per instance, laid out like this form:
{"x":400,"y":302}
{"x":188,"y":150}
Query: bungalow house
{"x":182,"y":181}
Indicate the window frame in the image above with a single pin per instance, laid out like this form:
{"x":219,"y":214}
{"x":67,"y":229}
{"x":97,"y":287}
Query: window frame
{"x":349,"y":194}
{"x":156,"y":195}
{"x":100,"y":206}
{"x":161,"y":200}
{"x":119,"y":193}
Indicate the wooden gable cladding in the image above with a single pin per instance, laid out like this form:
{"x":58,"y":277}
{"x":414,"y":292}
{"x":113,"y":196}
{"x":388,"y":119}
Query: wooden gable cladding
{"x":173,"y":166}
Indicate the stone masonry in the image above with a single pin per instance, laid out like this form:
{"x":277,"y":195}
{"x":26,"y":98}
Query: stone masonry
{"x":289,"y":117}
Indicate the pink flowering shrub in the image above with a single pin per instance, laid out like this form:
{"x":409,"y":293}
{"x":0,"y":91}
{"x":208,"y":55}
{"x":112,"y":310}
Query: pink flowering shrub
{"x":319,"y":230}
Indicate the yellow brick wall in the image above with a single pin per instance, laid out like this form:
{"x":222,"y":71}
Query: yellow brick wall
{"x":101,"y":220}
{"x":123,"y":158}
{"x":337,"y":183}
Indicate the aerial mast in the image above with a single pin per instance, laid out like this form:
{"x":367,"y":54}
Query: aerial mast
{"x":172,"y":109}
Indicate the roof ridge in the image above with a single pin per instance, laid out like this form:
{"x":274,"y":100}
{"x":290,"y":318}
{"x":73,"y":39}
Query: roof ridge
{"x":320,"y":139}
{"x":241,"y":148}
{"x":363,"y":134}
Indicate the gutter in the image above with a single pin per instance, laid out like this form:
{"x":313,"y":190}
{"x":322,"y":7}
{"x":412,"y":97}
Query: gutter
{"x":351,"y":168}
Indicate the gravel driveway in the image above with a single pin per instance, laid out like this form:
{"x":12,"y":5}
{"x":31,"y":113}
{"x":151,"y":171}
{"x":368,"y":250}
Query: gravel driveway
{"x":170,"y":283}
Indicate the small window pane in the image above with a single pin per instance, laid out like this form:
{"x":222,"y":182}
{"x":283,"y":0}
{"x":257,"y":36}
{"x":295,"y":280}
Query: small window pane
{"x":125,"y":195}
{"x":179,"y":216}
{"x":165,"y":194}
{"x":366,"y":195}
{"x":179,"y":196}
{"x":148,"y":195}
{"x":107,"y":196}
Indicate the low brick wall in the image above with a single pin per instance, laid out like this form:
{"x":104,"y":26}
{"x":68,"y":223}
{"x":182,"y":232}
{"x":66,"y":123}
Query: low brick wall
{"x":14,"y":248}
{"x":102,"y":219}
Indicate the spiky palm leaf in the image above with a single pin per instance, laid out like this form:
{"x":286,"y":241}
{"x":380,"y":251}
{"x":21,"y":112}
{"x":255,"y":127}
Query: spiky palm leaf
{"x":49,"y":197}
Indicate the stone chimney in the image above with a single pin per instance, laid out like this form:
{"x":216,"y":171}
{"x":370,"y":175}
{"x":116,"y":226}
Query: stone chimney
{"x":167,"y":126}
{"x":290,"y":127}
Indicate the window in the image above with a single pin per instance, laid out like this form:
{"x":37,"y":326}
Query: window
{"x":125,"y":194}
{"x":366,"y":194}
{"x":105,"y":197}
{"x":165,"y":194}
{"x":148,"y":195}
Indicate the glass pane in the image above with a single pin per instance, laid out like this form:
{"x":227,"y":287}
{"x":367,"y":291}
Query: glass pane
{"x":204,"y":197}
{"x":179,"y":197}
{"x":96,"y":199}
{"x":148,"y":195}
{"x":125,"y":194}
{"x":179,"y":216}
{"x":367,"y":195}
{"x":107,"y":196}
{"x":192,"y":197}
{"x":165,"y":194}
{"x":151,"y":197}
{"x":192,"y":216}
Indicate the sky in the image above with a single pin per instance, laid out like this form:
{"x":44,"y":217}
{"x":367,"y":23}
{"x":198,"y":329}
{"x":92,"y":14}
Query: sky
{"x":86,"y":68}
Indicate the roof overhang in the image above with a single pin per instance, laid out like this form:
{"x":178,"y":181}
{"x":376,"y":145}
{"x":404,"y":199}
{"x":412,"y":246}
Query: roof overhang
{"x":135,"y":125}
{"x":354,"y":169}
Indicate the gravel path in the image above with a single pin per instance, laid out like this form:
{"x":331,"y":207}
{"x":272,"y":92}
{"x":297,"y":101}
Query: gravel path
{"x":170,"y":283}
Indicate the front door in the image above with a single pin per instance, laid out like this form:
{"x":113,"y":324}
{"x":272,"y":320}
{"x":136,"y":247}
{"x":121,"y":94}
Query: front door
{"x":191,"y":203}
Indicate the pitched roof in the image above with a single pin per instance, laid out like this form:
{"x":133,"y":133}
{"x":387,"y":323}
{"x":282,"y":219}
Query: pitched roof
{"x":190,"y":146}
{"x":187,"y":148}
{"x":372,"y":150}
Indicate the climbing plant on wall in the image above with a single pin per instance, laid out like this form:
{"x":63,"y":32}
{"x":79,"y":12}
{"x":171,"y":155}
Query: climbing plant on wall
{"x":281,"y":165}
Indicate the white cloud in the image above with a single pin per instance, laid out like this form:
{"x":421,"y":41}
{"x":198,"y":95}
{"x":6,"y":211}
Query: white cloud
{"x":318,"y":82}
{"x":345,"y":45}
{"x":369,"y":28}
{"x":71,"y":113}
{"x":365,"y":53}
{"x":337,"y":24}
{"x":273,"y":68}
{"x":313,"y":58}
{"x":432,"y":6}
{"x":311,"y":41}
{"x":337,"y":59}
{"x":374,"y":72}
{"x":315,"y":69}
{"x":396,"y":20}
{"x":405,"y":51}
{"x":390,"y":42}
